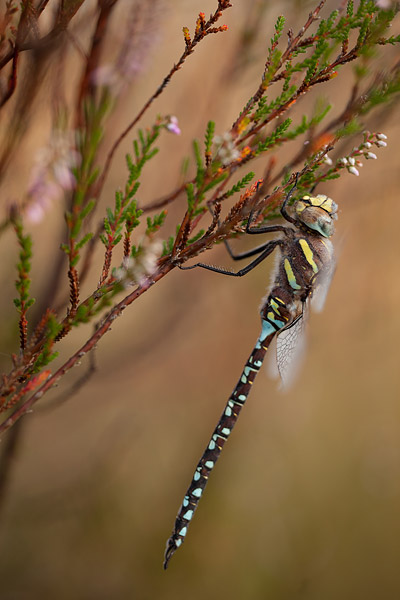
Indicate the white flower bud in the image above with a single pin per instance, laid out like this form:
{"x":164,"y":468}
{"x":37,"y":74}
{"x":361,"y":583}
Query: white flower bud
{"x":342,"y":161}
{"x":353,"y":171}
{"x":328,"y":160}
{"x":352,"y":160}
{"x":381,"y":144}
{"x":381,"y":136}
{"x":370,"y":155}
{"x":366,"y":145}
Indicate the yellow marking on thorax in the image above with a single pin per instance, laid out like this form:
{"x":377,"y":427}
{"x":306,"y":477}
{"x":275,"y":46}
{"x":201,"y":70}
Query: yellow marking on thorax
{"x":308,"y":254}
{"x":290,"y":275}
{"x":274,"y":305}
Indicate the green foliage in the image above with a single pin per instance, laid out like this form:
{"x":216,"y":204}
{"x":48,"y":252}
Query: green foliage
{"x":86,"y":174}
{"x":274,"y":61}
{"x":189,"y":189}
{"x":168,"y":245}
{"x":314,"y":56}
{"x":126,"y":212}
{"x":154,"y":224}
{"x":144,"y":152}
{"x":209,"y":136}
{"x":240,"y":185}
{"x":317,"y":57}
{"x":279,"y":25}
{"x":86,"y":238}
{"x":196,"y":237}
{"x":200,"y":171}
{"x":307,"y":124}
{"x":215,"y":181}
{"x":385,"y":91}
{"x":47,"y":354}
{"x":350,"y":8}
{"x":22,"y":284}
{"x":274,"y":138}
{"x":350,"y":128}
{"x":130,"y":215}
{"x":83,"y":313}
{"x":43,"y":359}
{"x":264,"y":108}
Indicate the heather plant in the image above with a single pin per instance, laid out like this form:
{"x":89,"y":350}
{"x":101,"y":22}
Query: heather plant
{"x":228,"y":175}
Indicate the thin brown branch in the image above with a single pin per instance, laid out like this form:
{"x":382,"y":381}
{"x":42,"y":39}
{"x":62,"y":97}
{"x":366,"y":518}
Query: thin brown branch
{"x":90,"y":247}
{"x":28,"y":23}
{"x":75,"y":387}
{"x":292,"y":44}
{"x":161,"y":202}
{"x":189,"y":49}
{"x":106,"y":265}
{"x":8,"y":457}
{"x":320,"y":77}
{"x":12,"y":80}
{"x":87,"y":87}
{"x":114,"y":313}
{"x":73,"y":289}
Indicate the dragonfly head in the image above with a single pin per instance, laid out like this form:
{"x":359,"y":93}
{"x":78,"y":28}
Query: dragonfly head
{"x":317,"y":213}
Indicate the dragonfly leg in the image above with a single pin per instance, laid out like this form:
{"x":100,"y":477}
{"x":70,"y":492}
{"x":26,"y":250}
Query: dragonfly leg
{"x":253,"y":231}
{"x":284,"y":212}
{"x":263,"y":251}
{"x":269,"y":228}
{"x":246,"y":253}
{"x":258,"y":249}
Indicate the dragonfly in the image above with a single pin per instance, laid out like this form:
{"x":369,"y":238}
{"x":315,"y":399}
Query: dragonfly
{"x":302,"y":272}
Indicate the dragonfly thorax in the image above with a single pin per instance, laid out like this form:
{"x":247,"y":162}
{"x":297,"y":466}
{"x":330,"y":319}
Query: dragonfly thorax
{"x":317,"y":213}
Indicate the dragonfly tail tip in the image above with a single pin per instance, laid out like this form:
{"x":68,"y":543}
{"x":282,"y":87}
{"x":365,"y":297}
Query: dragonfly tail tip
{"x":169,"y":552}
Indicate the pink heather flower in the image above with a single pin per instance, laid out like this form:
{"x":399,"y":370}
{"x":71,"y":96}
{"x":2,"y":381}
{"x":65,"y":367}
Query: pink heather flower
{"x":52,"y":175}
{"x":384,"y":3}
{"x":135,"y":41}
{"x":172,"y":125}
{"x":35,"y":212}
{"x":106,"y":76}
{"x":143,"y":22}
{"x":63,"y":176}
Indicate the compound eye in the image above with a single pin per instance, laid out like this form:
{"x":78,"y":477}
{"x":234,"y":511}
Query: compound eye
{"x":325,"y":226}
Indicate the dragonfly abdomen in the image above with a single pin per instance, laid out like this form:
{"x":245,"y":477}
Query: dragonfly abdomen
{"x":276,"y":317}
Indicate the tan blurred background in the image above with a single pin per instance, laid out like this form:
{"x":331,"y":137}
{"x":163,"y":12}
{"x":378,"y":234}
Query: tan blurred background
{"x":305,"y":501}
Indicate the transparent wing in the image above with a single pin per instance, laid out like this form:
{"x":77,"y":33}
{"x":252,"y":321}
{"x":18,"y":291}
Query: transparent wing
{"x":290,"y":347}
{"x":271,"y":365}
{"x":322,"y":287}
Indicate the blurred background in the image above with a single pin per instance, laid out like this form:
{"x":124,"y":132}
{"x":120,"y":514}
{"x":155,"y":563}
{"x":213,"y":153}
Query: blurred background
{"x":305,"y":501}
